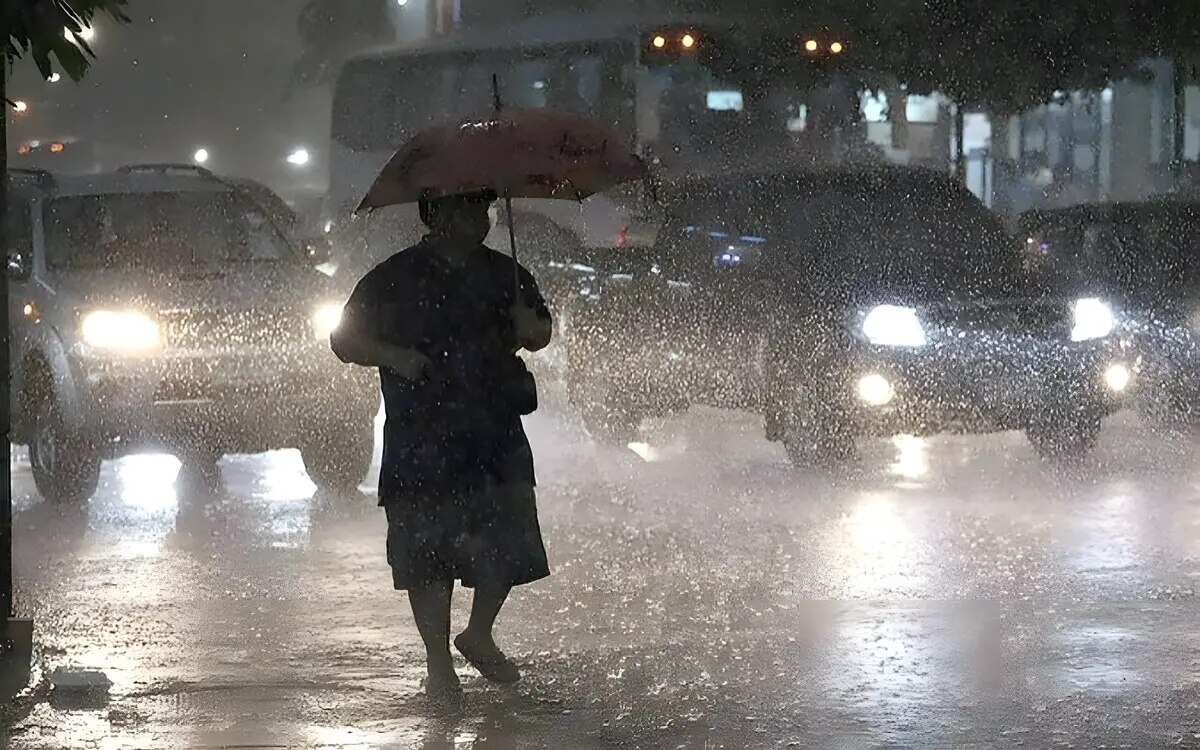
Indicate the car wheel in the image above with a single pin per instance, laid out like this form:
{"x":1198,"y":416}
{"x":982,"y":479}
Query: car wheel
{"x":66,"y":467}
{"x":606,"y":416}
{"x":610,"y":425}
{"x":1071,"y":439}
{"x":337,"y":460}
{"x":807,"y":448}
{"x":812,"y":437}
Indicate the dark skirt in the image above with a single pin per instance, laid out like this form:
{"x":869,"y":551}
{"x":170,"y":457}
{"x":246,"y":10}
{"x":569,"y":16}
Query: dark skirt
{"x":489,"y":536}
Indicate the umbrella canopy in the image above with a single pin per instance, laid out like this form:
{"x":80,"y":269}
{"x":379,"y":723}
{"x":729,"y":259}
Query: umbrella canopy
{"x":519,"y":153}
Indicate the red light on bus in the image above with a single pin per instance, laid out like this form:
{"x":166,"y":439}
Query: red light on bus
{"x":24,"y":149}
{"x":57,"y":147}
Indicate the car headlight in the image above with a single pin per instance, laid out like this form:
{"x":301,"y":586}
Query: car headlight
{"x":890,"y":325}
{"x":326,"y":320}
{"x":1094,"y":319}
{"x":120,"y":331}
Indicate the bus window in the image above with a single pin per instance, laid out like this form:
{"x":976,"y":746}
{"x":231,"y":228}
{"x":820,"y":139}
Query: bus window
{"x":527,"y":84}
{"x":475,"y":93}
{"x":380,"y":103}
{"x":574,"y":85}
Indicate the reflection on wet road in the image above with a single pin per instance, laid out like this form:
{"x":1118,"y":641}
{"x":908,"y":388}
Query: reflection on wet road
{"x":953,"y":591}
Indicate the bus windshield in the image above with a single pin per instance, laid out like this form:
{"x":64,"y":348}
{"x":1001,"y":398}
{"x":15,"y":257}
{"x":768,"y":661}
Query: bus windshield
{"x":381,"y":101}
{"x":671,"y":108}
{"x":690,"y":114}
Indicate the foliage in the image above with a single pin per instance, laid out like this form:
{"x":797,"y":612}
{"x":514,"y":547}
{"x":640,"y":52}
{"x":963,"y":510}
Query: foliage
{"x":37,"y":29}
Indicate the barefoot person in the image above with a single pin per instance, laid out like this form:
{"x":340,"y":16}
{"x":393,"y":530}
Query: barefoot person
{"x":443,"y":321}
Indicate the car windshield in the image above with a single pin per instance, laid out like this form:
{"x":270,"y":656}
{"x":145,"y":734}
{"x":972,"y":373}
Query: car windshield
{"x":160,"y":231}
{"x":1144,"y":253}
{"x":919,"y":238}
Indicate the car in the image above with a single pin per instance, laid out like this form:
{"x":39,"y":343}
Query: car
{"x":888,"y":301}
{"x":659,"y":331}
{"x":1142,"y":256}
{"x":163,"y":308}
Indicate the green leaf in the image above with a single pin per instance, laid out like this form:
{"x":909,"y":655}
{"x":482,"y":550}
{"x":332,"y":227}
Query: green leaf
{"x":35,"y":28}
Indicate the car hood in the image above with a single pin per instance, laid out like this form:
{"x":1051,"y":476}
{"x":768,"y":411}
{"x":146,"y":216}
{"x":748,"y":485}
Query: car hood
{"x":253,"y":287}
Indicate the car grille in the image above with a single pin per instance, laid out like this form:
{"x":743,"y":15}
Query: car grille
{"x":204,"y":329}
{"x":1038,"y":320}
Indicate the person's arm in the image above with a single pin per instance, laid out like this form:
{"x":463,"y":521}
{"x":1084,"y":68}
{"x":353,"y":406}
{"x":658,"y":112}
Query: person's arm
{"x":368,"y":351}
{"x":357,"y":340}
{"x":531,"y":317}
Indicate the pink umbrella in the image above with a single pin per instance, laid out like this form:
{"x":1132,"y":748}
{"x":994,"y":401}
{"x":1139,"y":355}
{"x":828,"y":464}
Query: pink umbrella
{"x":519,"y":153}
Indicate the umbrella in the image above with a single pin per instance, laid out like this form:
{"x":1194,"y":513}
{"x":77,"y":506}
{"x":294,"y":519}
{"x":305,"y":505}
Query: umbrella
{"x":519,"y":153}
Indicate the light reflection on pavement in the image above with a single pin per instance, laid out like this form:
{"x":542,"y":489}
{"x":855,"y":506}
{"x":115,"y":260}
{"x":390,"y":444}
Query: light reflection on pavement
{"x":950,"y":591}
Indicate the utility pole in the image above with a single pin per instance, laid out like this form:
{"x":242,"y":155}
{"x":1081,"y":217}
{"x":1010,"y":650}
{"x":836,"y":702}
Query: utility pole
{"x":1179,"y":117}
{"x":6,"y":576}
{"x":16,"y":640}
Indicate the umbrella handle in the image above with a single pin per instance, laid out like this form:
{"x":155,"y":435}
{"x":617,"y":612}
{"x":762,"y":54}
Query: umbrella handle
{"x":512,"y":234}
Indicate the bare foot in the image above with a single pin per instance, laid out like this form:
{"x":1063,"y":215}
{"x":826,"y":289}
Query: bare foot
{"x":484,"y":655}
{"x":442,"y":687}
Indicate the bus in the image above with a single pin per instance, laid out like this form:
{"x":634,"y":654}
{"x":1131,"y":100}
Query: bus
{"x":691,"y":95}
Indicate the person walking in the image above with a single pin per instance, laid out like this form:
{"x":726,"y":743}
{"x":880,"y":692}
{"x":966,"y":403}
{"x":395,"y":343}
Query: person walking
{"x":443,"y":321}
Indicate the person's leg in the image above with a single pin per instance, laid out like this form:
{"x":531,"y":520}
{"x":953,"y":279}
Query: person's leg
{"x":431,"y":610}
{"x":476,"y":642}
{"x":489,"y":599}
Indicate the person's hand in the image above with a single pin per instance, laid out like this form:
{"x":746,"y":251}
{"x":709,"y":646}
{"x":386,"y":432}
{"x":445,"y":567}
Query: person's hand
{"x":533,"y":328}
{"x":524,"y":319}
{"x":410,"y":364}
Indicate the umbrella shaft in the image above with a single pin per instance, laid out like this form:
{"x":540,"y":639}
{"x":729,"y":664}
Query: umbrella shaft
{"x":512,"y":243}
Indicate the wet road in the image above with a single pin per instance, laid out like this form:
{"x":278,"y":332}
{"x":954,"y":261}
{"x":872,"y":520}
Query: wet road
{"x":954,"y":591}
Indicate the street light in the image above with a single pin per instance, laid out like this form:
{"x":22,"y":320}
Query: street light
{"x":201,"y":155}
{"x":299,"y":157}
{"x":836,"y":48}
{"x":20,"y":106}
{"x":688,"y":41}
{"x":811,"y":45}
{"x":660,"y":41}
{"x":55,"y":77}
{"x":401,"y":3}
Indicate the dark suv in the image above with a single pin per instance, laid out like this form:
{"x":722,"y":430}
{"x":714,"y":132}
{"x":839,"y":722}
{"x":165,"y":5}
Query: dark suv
{"x":163,"y":307}
{"x":884,"y":301}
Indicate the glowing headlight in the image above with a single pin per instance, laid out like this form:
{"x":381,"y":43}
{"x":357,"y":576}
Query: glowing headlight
{"x":890,"y":325}
{"x":875,"y":390}
{"x":125,"y":332}
{"x":1093,"y":320}
{"x":1117,"y":378}
{"x":326,"y":320}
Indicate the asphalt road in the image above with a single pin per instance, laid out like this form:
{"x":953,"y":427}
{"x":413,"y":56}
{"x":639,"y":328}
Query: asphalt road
{"x":949,"y":592}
